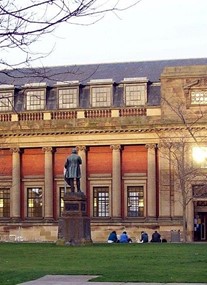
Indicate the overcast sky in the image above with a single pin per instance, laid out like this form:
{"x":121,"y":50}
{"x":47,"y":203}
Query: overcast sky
{"x":152,"y":30}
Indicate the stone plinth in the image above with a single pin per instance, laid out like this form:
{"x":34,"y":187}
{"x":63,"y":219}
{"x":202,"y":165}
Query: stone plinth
{"x":74,"y":225}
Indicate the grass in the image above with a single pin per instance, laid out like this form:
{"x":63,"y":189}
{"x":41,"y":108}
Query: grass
{"x":166,"y":263}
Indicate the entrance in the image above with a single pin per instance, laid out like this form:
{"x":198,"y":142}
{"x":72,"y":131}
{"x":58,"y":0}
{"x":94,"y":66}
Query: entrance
{"x":200,"y":227}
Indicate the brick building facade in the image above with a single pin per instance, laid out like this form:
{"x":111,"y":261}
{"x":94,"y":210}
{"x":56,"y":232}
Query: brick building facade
{"x":120,"y":117}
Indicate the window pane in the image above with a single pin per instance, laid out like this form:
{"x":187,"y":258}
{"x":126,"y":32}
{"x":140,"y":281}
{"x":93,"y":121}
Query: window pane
{"x":4,"y":202}
{"x":135,"y":95}
{"x":199,"y":97}
{"x":34,"y":202}
{"x":68,"y":98}
{"x":135,"y":201}
{"x":6,"y":101}
{"x":35,"y":100}
{"x":101,"y":96}
{"x":101,"y":201}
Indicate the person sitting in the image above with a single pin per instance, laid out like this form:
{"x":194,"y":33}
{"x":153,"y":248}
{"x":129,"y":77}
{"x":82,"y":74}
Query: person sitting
{"x":124,"y":238}
{"x":156,"y":237}
{"x":112,"y":237}
{"x":144,"y":237}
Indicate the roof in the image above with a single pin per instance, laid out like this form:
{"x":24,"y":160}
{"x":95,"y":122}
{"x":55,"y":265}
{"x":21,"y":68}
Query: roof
{"x":84,"y":73}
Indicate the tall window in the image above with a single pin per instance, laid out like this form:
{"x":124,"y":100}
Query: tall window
{"x":35,"y":100}
{"x":135,"y":95}
{"x":68,"y":98}
{"x":4,"y":203}
{"x":101,"y":96}
{"x":34,"y":202}
{"x":101,"y":201}
{"x":198,"y":97}
{"x":135,"y":201}
{"x":6,"y":101}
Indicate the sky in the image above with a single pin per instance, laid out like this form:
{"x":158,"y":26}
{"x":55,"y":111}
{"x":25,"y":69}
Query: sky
{"x":151,"y":30}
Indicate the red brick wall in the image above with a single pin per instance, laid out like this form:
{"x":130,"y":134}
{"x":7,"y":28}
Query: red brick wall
{"x":99,"y":160}
{"x":33,"y":162}
{"x":60,"y":156}
{"x":5,"y":162}
{"x":134,"y":159}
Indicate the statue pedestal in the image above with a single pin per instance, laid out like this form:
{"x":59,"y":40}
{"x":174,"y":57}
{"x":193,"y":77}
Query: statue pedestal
{"x":74,"y":226}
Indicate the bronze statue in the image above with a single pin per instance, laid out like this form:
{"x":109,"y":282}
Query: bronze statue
{"x":72,"y":170}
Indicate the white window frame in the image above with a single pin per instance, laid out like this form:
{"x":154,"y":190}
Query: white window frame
{"x":198,"y":97}
{"x":132,"y":181}
{"x":39,"y":99}
{"x":101,"y":95}
{"x":6,"y":101}
{"x":69,"y":97}
{"x":37,"y":184}
{"x":100,"y":180}
{"x":135,"y":94}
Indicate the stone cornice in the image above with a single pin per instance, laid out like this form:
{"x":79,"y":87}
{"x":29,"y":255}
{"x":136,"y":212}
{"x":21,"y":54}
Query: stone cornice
{"x":103,"y":131}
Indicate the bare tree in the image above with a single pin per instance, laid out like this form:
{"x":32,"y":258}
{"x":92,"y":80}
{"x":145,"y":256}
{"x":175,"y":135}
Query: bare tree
{"x":176,"y":147}
{"x":25,"y":22}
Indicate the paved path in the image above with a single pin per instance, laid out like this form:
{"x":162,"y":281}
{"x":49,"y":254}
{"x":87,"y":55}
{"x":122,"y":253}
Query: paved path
{"x":83,"y":280}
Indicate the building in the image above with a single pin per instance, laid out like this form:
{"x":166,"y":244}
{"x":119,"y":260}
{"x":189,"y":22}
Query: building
{"x":122,"y":117}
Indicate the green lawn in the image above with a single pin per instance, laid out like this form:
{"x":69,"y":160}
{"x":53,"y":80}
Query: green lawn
{"x":20,"y":262}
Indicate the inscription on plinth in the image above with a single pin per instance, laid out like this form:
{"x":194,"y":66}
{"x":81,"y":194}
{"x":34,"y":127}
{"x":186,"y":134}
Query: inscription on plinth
{"x":74,"y":225}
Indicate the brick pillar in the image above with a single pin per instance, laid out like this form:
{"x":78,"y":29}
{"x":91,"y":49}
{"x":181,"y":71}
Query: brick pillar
{"x":48,"y":195}
{"x":151,"y":181}
{"x":15,"y":189}
{"x":116,"y":181}
{"x":82,"y":152}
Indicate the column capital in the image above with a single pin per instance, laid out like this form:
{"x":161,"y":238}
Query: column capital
{"x":81,"y":147}
{"x":47,"y":149}
{"x":151,"y":146}
{"x":115,"y":147}
{"x":15,"y":150}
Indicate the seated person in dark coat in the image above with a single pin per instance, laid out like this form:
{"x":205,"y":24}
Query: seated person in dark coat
{"x":144,"y":237}
{"x":156,"y":237}
{"x":112,"y":237}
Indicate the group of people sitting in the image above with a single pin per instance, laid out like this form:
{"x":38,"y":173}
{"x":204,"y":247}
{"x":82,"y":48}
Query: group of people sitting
{"x":156,"y":237}
{"x":124,"y":238}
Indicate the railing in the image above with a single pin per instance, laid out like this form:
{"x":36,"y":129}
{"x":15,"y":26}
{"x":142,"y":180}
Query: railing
{"x":5,"y":117}
{"x":74,"y":114}
{"x":98,"y":113}
{"x":126,"y":112}
{"x":63,"y":115}
{"x":37,"y":116}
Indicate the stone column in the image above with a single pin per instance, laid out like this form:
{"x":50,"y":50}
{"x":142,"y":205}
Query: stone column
{"x":82,"y":152}
{"x":116,"y":181}
{"x":151,"y":181}
{"x":190,"y":221}
{"x":48,"y":195}
{"x":15,"y":190}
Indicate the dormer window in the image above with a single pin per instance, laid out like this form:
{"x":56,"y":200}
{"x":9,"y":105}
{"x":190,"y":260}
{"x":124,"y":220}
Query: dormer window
{"x":135,"y":90}
{"x":35,"y":97}
{"x":6,"y":98}
{"x":101,"y":92}
{"x":199,"y":97}
{"x":68,"y":94}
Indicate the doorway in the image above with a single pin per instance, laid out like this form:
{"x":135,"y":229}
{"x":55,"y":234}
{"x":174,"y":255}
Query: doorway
{"x":200,"y":227}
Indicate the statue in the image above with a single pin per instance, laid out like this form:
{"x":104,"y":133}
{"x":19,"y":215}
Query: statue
{"x":72,"y":170}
